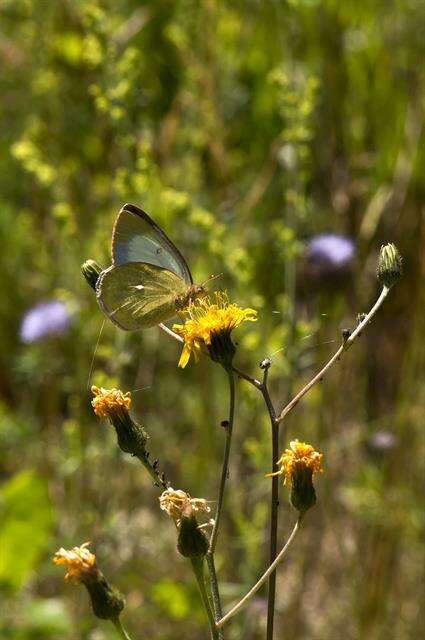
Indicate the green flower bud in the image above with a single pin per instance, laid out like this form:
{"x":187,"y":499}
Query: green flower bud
{"x":107,"y":602}
{"x":91,"y":271}
{"x":303,"y":495}
{"x":389,"y":265}
{"x":191,"y":542}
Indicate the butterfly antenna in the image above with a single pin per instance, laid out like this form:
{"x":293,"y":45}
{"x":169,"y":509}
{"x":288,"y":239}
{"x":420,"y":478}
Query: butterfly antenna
{"x":94,"y":356}
{"x":214,"y":277}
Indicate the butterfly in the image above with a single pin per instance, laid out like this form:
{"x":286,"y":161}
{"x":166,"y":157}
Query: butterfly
{"x":149,"y":281}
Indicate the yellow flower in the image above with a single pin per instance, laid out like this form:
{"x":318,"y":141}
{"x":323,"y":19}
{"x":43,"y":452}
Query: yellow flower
{"x":78,"y":561}
{"x":109,"y":401}
{"x":209,"y":326}
{"x":298,"y":465}
{"x":177,"y":503}
{"x":300,"y":455}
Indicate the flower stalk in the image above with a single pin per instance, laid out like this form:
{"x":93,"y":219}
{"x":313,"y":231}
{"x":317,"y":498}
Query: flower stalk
{"x":347,"y":343}
{"x":271,"y":570}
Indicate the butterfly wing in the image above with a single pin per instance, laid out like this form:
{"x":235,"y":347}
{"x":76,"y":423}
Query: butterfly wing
{"x":136,"y":238}
{"x":138,"y":295}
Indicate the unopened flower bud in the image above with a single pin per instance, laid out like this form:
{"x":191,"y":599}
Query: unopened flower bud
{"x":389,"y":265}
{"x":91,"y":270}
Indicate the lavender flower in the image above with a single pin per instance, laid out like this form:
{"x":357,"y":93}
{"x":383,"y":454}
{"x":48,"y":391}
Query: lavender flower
{"x":43,"y":320}
{"x":329,"y":253}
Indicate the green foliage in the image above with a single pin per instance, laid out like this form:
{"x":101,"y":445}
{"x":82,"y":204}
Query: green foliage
{"x":26,"y":527}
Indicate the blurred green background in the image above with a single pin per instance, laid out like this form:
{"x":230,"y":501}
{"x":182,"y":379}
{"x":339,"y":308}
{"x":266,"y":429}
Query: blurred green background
{"x":246,"y":129}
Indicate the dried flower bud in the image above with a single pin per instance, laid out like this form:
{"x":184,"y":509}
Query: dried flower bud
{"x":389,"y":265}
{"x":107,"y":602}
{"x":91,"y":270}
{"x":178,"y":502}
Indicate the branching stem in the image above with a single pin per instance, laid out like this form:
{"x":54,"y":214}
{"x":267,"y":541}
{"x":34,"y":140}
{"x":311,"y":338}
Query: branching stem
{"x":344,"y":347}
{"x":261,"y":581}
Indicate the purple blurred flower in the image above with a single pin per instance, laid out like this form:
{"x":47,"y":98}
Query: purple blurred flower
{"x":329,"y":252}
{"x":44,"y":319}
{"x":383,"y":440}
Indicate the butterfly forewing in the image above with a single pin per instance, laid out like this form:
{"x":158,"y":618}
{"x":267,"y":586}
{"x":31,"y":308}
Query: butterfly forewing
{"x":136,"y":238}
{"x":139,"y":295}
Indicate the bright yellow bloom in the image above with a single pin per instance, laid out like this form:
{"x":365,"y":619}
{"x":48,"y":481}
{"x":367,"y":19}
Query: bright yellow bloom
{"x":207,"y":320}
{"x":299,"y":456}
{"x":78,"y":561}
{"x":109,"y":401}
{"x":177,"y":503}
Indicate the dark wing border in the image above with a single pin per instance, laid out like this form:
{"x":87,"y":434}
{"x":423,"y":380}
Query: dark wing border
{"x":132,"y":208}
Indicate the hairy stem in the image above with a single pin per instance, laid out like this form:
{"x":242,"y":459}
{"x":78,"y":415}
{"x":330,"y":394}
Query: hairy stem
{"x":198,"y":569}
{"x":261,"y":581}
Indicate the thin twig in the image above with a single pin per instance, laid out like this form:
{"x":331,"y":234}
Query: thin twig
{"x":344,"y":347}
{"x":263,"y":578}
{"x":122,"y":632}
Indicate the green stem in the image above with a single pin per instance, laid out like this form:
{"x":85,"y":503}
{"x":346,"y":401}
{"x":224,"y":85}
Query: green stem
{"x":225,"y":466}
{"x":274,"y":507}
{"x":261,"y":581}
{"x":198,"y":569}
{"x":122,"y":632}
{"x":218,"y":612}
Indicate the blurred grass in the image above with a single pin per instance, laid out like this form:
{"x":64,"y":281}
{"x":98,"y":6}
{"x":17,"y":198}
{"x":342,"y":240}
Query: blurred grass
{"x":244,"y":128}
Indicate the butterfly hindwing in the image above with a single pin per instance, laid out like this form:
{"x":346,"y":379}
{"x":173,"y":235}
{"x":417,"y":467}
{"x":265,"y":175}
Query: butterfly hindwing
{"x":139,"y":295}
{"x":136,"y":238}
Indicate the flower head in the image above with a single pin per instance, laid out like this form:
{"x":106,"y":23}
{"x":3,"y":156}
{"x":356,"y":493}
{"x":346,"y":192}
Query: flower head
{"x":43,"y":320}
{"x":329,"y":253}
{"x":299,"y":455}
{"x":178,"y":502}
{"x":132,"y":437}
{"x":109,"y":401}
{"x":107,"y":603}
{"x":298,"y":465}
{"x":209,"y":326}
{"x":78,"y":561}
